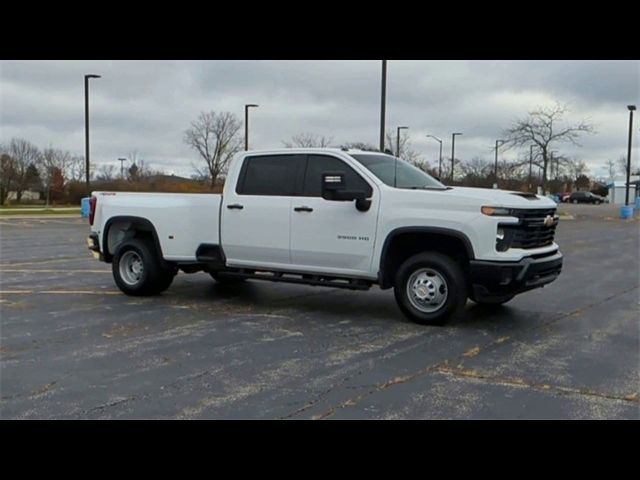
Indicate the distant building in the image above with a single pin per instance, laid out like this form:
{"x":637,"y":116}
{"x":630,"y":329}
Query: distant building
{"x":617,"y":190}
{"x":26,"y":195}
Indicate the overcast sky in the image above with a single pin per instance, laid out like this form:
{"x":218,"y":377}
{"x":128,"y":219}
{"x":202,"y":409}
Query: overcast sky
{"x":147,"y":105}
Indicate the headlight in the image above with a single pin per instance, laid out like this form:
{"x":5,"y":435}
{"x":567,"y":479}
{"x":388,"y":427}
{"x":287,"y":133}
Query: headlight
{"x":496,"y":211}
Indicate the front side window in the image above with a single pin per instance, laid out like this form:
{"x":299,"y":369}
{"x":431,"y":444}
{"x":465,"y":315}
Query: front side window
{"x":397,"y":173}
{"x":269,"y":175}
{"x":319,"y":164}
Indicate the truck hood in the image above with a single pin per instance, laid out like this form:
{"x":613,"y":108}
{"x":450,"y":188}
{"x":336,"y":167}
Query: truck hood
{"x":501,"y":198}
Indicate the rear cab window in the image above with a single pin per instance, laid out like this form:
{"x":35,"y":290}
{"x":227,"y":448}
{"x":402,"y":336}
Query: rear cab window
{"x":270,"y":175}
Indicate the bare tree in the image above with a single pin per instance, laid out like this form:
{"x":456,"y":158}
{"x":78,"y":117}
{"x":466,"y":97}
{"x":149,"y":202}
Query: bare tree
{"x":407,"y":152}
{"x":477,"y":168}
{"x":215,"y":137}
{"x":23,"y":154}
{"x":7,"y":173}
{"x":610,"y":165}
{"x":133,"y":157}
{"x":139,"y":170}
{"x":106,"y":172}
{"x":622,"y":166}
{"x":76,"y":168}
{"x":53,"y":161}
{"x":308,"y":140}
{"x":367,"y":147}
{"x":544,"y":128}
{"x":576,"y":168}
{"x":446,"y":167}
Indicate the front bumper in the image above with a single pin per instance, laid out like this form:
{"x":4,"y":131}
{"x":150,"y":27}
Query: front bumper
{"x":497,"y":279}
{"x":93,"y":243}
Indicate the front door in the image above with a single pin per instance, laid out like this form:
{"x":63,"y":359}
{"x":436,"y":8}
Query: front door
{"x":332,"y":236}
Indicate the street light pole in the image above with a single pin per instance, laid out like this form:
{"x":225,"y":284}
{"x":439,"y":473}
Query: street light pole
{"x":246,"y":124}
{"x":395,"y":165}
{"x":495,"y":170}
{"x":383,"y":104}
{"x":86,"y":126}
{"x":122,"y":160}
{"x":626,"y":195}
{"x":440,"y":161}
{"x":453,"y":151}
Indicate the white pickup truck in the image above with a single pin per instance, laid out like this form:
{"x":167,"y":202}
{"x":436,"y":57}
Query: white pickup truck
{"x":335,"y":218}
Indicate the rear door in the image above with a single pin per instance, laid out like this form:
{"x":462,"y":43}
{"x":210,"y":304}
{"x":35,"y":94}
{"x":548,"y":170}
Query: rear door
{"x":255,"y":228}
{"x":332,"y":236}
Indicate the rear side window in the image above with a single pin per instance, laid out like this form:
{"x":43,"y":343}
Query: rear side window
{"x":319,"y":164}
{"x":269,"y":175}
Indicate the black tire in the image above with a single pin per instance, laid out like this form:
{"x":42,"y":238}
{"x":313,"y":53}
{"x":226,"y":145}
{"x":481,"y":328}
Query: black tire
{"x":455,"y":286}
{"x":575,"y":201}
{"x":493,"y":301}
{"x":226,"y":280}
{"x":597,"y":202}
{"x":153,"y":278}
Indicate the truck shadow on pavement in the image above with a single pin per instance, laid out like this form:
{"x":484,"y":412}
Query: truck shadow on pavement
{"x":328,"y":304}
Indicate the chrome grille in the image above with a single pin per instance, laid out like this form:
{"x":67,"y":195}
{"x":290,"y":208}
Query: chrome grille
{"x":531,"y":232}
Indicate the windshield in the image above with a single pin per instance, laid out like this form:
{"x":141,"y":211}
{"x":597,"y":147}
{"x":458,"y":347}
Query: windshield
{"x":405,"y":175}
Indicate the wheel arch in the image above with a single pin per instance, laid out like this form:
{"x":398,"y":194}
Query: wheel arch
{"x":119,"y":228}
{"x":404,"y":242}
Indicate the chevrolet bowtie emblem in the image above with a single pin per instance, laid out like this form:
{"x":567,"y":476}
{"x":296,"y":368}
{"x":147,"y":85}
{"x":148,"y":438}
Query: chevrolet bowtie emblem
{"x":548,"y":221}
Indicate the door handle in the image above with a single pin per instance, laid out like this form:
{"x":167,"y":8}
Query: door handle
{"x":235,"y":206}
{"x":303,"y":209}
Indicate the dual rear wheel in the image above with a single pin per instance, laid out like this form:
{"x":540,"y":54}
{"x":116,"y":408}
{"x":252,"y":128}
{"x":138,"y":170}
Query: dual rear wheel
{"x":138,"y":270}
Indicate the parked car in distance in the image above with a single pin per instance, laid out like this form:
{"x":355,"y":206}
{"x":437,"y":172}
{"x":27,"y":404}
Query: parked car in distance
{"x":564,"y":196}
{"x":586,"y":197}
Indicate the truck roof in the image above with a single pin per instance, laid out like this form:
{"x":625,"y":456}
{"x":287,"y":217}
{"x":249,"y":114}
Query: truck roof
{"x":314,"y":149}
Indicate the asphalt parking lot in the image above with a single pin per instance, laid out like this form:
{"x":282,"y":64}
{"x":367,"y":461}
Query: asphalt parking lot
{"x":72,"y":346}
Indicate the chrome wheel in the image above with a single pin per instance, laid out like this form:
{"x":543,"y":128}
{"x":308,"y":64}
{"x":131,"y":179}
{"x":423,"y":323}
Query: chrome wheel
{"x":131,"y":268}
{"x":427,"y":290}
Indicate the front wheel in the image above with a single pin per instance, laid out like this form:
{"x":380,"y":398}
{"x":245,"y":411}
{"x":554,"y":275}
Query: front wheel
{"x":429,"y":288}
{"x":575,"y":201}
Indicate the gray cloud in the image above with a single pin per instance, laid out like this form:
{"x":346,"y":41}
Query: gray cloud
{"x":147,"y":105}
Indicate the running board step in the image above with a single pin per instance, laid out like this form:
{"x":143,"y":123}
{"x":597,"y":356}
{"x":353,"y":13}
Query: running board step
{"x":300,"y":278}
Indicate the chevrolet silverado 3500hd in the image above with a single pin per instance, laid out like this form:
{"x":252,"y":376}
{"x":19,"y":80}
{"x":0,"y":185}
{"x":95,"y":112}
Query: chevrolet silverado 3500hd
{"x":336,"y":218}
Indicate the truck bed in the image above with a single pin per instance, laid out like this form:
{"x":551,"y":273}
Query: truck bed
{"x":182,"y":221}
